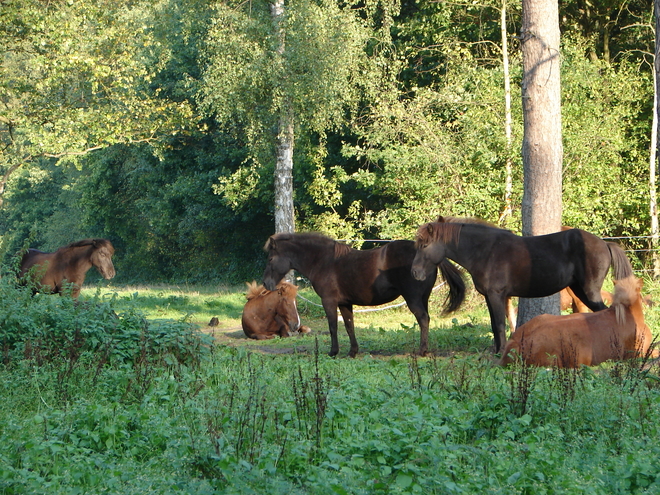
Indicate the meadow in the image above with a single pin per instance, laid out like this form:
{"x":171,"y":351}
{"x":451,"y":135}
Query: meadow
{"x":131,"y":391}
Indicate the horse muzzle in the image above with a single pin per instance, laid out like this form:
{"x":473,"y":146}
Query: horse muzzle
{"x":418,"y":273}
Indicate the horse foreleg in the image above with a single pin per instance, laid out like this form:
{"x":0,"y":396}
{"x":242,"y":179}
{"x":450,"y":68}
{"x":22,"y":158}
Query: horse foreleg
{"x":347,"y":315}
{"x":422,"y":314}
{"x":331,"y":315}
{"x":497,"y":309}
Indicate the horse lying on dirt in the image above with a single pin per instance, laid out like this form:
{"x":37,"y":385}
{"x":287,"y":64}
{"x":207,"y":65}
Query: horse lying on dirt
{"x":269,"y":313}
{"x":569,"y":341}
{"x":69,"y":264}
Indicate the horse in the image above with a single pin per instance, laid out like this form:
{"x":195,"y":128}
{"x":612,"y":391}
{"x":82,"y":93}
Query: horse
{"x":268,"y":313}
{"x":343,"y":276}
{"x":503,"y":264}
{"x":570,"y":301}
{"x":50,"y":272}
{"x":569,"y":341}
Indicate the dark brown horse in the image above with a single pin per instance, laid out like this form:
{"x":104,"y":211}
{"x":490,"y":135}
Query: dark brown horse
{"x":343,"y":276}
{"x":503,"y":264}
{"x":569,"y":341}
{"x":269,"y":313}
{"x":69,"y":264}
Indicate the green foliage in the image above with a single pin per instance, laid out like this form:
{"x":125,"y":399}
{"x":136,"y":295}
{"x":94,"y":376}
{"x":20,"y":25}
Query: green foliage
{"x":169,"y":414}
{"x":399,"y":117}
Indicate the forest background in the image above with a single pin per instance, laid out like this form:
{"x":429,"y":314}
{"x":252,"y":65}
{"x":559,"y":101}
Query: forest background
{"x":154,"y":124}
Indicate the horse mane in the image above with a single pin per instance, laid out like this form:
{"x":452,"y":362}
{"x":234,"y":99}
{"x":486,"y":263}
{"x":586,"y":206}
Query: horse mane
{"x":468,"y":220}
{"x":86,"y":242}
{"x":447,"y":233}
{"x":626,"y":293}
{"x":254,"y":290}
{"x":313,"y":239}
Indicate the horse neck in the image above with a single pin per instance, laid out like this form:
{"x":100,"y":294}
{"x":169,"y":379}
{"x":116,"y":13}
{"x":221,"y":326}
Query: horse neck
{"x":306,"y":261}
{"x":80,"y":258}
{"x":455,"y":251}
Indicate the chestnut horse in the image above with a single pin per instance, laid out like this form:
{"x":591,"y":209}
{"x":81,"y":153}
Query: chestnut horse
{"x":268,"y":313}
{"x":50,"y":272}
{"x":343,"y":276}
{"x":503,"y":264}
{"x":569,"y":341}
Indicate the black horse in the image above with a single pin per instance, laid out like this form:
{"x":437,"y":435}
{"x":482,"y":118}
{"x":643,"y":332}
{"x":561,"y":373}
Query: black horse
{"x":503,"y":264}
{"x":343,"y":276}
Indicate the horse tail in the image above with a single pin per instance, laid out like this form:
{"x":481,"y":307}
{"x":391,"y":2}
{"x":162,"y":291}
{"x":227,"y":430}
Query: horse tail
{"x":621,"y":266}
{"x":454,"y":279}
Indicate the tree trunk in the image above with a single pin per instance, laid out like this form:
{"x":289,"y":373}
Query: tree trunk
{"x":542,"y":142}
{"x":283,"y":180}
{"x":508,"y":184}
{"x":284,"y":213}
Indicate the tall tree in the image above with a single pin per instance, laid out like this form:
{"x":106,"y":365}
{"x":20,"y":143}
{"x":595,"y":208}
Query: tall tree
{"x":77,"y":77}
{"x":284,"y":212}
{"x":542,"y":147}
{"x":276,"y":73}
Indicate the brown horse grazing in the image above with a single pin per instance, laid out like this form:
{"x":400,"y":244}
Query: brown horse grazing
{"x":343,"y":276}
{"x":569,"y":341}
{"x":69,"y":264}
{"x":268,"y":313}
{"x":503,"y":264}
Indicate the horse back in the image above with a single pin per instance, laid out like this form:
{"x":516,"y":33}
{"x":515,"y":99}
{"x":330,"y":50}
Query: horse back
{"x":32,"y":258}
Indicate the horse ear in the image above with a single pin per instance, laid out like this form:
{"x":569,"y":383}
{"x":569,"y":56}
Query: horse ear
{"x":270,"y":244}
{"x":440,"y":219}
{"x":429,"y":229}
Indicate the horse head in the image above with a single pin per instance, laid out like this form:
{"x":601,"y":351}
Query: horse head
{"x":430,"y":247}
{"x":101,"y":257}
{"x":287,"y":308}
{"x":278,"y":263}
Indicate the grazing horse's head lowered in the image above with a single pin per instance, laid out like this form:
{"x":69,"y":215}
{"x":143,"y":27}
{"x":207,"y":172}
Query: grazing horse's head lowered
{"x":343,"y":277}
{"x":69,"y":264}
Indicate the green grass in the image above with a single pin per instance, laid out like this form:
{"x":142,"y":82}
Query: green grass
{"x":120,"y":395}
{"x":380,"y":332}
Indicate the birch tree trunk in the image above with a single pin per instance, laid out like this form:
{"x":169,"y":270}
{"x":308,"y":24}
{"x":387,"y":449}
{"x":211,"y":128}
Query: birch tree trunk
{"x":283,"y":180}
{"x":542,"y":147}
{"x":508,"y":184}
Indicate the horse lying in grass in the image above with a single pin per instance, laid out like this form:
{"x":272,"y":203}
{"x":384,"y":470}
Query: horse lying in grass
{"x":569,"y":341}
{"x":51,"y":272}
{"x":269,"y":313}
